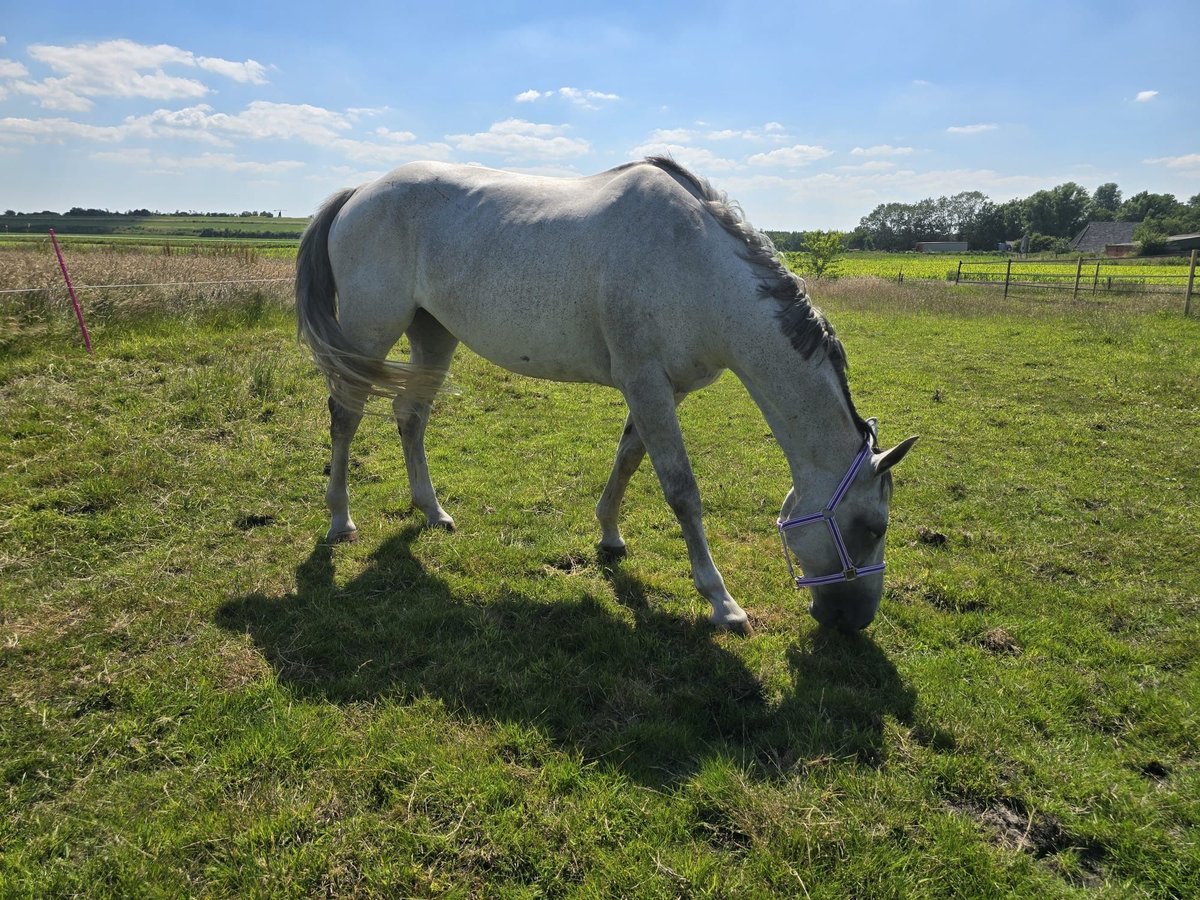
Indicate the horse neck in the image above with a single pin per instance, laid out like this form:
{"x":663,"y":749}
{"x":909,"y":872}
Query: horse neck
{"x":802,"y":400}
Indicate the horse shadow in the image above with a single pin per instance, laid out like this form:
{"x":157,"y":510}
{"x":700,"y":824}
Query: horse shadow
{"x":647,"y":691}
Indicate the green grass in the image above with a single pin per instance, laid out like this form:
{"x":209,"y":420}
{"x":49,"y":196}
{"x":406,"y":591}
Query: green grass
{"x":201,"y":699}
{"x":1169,"y":275}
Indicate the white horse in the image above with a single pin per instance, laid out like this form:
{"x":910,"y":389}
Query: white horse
{"x":642,"y":278}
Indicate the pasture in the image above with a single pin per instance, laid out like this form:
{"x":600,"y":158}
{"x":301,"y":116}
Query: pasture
{"x":200,"y":698}
{"x":1166,"y":273}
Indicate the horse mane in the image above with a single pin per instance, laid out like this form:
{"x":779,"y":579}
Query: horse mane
{"x":804,"y":325}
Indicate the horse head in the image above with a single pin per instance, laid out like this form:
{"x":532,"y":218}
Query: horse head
{"x":839,"y":547}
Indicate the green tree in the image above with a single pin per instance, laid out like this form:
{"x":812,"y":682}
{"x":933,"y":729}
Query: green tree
{"x":1146,"y":205}
{"x":1106,"y":201}
{"x":822,"y":253}
{"x":1058,"y":212}
{"x":1151,"y":239}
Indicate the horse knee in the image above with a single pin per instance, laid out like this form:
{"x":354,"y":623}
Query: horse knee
{"x":683,"y":496}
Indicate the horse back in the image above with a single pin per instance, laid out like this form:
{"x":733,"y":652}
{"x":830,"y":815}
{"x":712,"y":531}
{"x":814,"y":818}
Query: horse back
{"x":557,"y":278}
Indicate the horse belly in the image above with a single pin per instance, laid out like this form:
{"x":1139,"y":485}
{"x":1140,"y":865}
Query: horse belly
{"x":558,"y":341}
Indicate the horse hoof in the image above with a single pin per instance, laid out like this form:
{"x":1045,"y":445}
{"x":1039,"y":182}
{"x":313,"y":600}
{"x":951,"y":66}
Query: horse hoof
{"x":446,"y":524}
{"x":611,"y":554}
{"x":342,"y":537}
{"x":734,"y":626}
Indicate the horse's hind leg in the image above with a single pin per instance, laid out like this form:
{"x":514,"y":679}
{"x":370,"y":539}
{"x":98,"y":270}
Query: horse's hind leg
{"x":343,"y":423}
{"x":630,"y":453}
{"x":432,"y":348}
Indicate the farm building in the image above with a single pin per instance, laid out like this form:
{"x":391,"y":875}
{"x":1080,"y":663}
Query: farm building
{"x":1096,"y":237}
{"x":1181,"y":243}
{"x":942,"y":247}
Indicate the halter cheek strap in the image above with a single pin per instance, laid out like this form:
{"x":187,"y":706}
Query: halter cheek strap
{"x":826,"y":514}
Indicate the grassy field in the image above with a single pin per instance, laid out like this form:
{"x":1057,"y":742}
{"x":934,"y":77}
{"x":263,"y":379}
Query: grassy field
{"x":154,"y":227}
{"x":201,"y":699}
{"x":1167,"y":274}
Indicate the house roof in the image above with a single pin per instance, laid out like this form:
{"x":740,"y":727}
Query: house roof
{"x":1098,"y":235}
{"x":1184,"y":242}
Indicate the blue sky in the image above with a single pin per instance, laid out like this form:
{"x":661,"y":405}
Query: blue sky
{"x":808,"y":114}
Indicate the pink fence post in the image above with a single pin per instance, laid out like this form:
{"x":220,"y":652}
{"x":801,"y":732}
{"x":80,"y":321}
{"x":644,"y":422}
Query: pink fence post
{"x":62,"y":264}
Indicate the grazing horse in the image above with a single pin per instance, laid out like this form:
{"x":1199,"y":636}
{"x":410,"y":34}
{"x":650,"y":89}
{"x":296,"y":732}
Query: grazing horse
{"x":642,"y":278}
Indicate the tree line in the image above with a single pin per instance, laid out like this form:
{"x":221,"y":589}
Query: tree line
{"x":1049,"y":217}
{"x":142,"y":213}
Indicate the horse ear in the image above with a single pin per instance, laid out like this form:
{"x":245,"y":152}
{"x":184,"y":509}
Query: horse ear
{"x":888,"y":458}
{"x":873,"y":427}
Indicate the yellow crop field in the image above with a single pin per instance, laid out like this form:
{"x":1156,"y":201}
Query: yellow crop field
{"x":1093,"y":274}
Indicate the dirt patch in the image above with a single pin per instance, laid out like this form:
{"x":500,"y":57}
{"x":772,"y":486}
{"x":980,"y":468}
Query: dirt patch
{"x":252,"y":520}
{"x":998,"y":640}
{"x":940,"y":599}
{"x":1009,"y":823}
{"x":1155,"y":770}
{"x":931,"y":538}
{"x":568,"y":564}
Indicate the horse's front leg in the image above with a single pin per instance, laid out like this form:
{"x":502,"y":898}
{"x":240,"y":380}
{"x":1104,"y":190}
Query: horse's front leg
{"x":652,"y":413}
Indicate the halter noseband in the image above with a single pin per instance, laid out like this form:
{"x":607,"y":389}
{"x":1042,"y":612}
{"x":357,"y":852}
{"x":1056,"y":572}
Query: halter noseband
{"x":849,"y":570}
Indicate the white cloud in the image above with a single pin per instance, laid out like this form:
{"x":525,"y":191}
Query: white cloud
{"x":516,"y":139}
{"x":881,"y":150}
{"x":261,"y":120}
{"x":772,"y":132}
{"x":972,"y":129}
{"x":672,"y":136}
{"x":124,"y":68}
{"x":248,"y":72}
{"x":696,"y":158}
{"x":53,"y":93}
{"x":872,"y":165}
{"x":1145,"y":96}
{"x":57,"y":130}
{"x":393,"y":149}
{"x":586,"y":99}
{"x":223,"y":162}
{"x":796,"y":155}
{"x":1188,"y":162}
{"x":10,"y":68}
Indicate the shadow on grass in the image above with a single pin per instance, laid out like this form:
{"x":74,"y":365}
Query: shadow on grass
{"x":655,"y":697}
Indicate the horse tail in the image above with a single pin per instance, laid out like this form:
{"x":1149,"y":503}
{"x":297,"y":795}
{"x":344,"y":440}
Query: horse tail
{"x":351,"y":375}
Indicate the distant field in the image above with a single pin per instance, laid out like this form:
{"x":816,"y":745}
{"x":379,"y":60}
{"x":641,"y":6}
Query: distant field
{"x":154,"y":226}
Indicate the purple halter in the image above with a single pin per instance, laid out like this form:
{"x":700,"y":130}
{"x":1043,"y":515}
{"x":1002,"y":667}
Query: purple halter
{"x":849,"y":571}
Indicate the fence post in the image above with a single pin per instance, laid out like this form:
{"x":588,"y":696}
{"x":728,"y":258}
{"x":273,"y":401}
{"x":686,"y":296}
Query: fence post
{"x":958,"y":274}
{"x":1007,"y":275}
{"x":1187,"y":300}
{"x":1096,"y":278}
{"x":1078,"y":272}
{"x":62,"y":264}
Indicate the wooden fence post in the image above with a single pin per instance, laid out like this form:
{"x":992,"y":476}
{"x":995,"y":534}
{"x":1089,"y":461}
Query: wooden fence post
{"x":1007,"y":275}
{"x":958,"y":274}
{"x":1096,"y":278}
{"x":1187,"y":300}
{"x":1078,"y":272}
